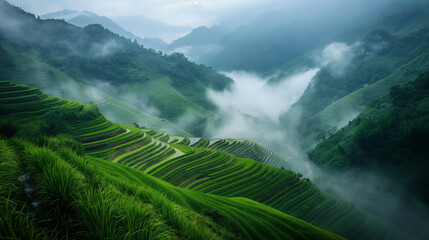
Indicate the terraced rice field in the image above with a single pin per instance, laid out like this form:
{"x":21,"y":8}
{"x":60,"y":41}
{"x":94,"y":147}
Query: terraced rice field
{"x":22,"y":99}
{"x":245,"y":149}
{"x":206,"y":168}
{"x":209,"y":170}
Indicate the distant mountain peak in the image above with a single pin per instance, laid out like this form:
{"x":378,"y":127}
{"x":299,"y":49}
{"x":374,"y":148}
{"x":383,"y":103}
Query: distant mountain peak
{"x":87,"y":13}
{"x":65,"y":14}
{"x":87,"y":18}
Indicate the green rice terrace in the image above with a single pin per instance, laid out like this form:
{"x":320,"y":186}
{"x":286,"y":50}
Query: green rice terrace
{"x":80,"y":176}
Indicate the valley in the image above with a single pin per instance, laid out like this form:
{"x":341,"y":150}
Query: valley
{"x":273,"y":124}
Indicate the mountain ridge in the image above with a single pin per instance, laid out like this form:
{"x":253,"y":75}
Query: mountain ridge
{"x":85,"y":18}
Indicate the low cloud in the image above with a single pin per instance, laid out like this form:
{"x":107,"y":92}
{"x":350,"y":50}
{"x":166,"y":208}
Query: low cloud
{"x":379,"y":195}
{"x":106,"y":49}
{"x":250,"y":95}
{"x":251,"y":108}
{"x":199,"y":53}
{"x":336,"y":57}
{"x":137,"y":100}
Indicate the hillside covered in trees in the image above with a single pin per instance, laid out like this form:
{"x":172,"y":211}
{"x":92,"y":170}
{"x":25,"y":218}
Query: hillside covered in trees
{"x":390,"y":136}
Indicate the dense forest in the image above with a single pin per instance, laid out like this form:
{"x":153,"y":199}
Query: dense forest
{"x":390,"y":136}
{"x":377,"y":57}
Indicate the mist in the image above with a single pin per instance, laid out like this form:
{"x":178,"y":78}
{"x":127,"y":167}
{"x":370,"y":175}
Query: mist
{"x":379,"y":195}
{"x":251,"y":110}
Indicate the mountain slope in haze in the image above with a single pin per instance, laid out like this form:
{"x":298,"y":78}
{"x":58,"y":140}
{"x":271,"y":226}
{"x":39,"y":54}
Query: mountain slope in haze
{"x":85,"y":18}
{"x":368,"y":68}
{"x":397,"y":18}
{"x":402,"y":17}
{"x":389,"y":137}
{"x":25,"y":69}
{"x":277,"y":37}
{"x":150,"y":28}
{"x":201,"y":44}
{"x":261,"y":46}
{"x":170,"y":83}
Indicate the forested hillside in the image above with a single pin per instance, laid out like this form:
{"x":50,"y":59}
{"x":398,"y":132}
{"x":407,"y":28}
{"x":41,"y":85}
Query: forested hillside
{"x":371,"y":66}
{"x":98,"y":57}
{"x":390,"y":136}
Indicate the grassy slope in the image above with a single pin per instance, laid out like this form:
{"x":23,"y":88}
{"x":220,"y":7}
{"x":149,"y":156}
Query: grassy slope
{"x":28,"y":70}
{"x":63,"y":194}
{"x":244,"y":149}
{"x":94,"y":199}
{"x":162,"y":94}
{"x":216,"y":172}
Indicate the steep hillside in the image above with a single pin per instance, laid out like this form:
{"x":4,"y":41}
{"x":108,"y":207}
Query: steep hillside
{"x":94,"y":54}
{"x":27,"y":112}
{"x":243,"y":148}
{"x":390,"y":136}
{"x":219,"y":173}
{"x":96,"y":199}
{"x":341,"y":90}
{"x":49,"y":190}
{"x":25,"y":69}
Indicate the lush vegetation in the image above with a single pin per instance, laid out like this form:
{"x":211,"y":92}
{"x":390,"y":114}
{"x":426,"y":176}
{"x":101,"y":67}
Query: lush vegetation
{"x":93,"y":54}
{"x":380,"y":61}
{"x":50,"y":190}
{"x":55,"y":193}
{"x":28,"y":70}
{"x":66,"y":171}
{"x":244,"y":149}
{"x":216,"y":172}
{"x":166,"y":157}
{"x":390,"y":136}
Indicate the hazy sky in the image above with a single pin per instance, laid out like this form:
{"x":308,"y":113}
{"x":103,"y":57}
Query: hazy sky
{"x":191,"y":13}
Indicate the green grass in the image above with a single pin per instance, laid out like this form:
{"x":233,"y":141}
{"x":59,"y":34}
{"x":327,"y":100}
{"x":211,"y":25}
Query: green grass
{"x":89,"y":198}
{"x":219,"y":173}
{"x":163,"y":94}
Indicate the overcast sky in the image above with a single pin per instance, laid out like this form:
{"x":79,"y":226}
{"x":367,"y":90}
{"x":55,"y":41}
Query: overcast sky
{"x":191,"y":13}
